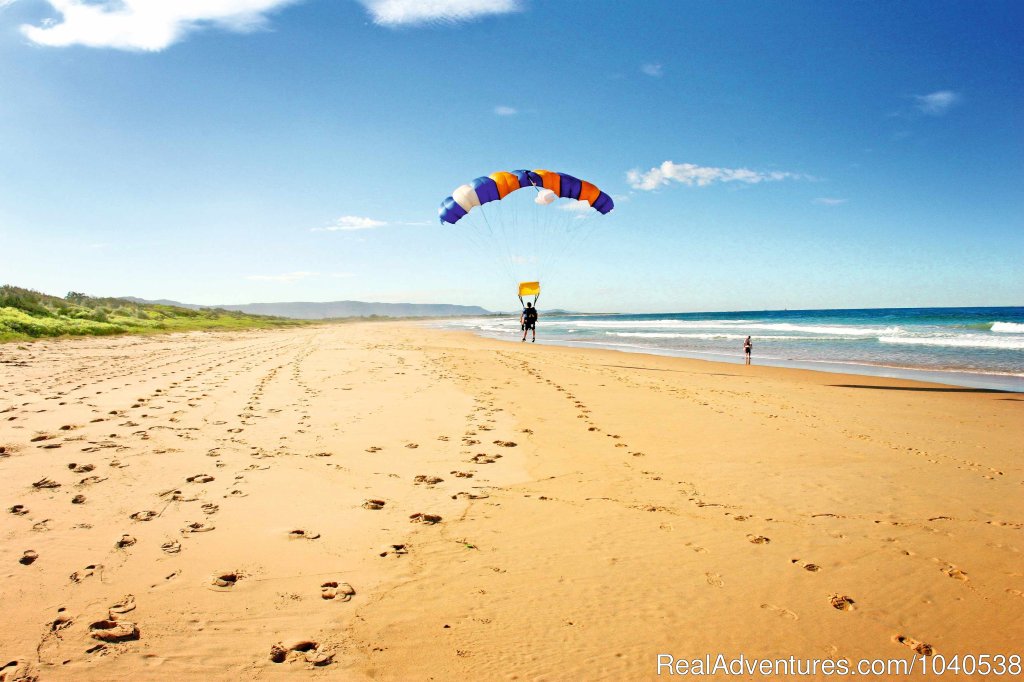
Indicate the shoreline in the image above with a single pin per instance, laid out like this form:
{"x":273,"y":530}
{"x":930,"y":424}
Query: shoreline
{"x":1010,"y":383}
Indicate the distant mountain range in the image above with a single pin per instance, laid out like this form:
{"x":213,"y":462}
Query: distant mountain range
{"x":333,"y":309}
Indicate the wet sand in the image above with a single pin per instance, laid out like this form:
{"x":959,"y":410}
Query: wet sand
{"x":386,"y":501}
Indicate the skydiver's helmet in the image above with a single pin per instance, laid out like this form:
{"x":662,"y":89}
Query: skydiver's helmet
{"x":529,"y":305}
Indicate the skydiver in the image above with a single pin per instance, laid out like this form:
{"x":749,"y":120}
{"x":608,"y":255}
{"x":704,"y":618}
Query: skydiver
{"x":528,"y":320}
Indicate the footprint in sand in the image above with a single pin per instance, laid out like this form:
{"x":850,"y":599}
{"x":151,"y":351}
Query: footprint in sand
{"x":758,"y":539}
{"x":484,"y":458}
{"x":45,"y":483}
{"x":811,"y":568}
{"x":87,"y":572}
{"x":125,"y":541}
{"x":374,"y":448}
{"x":78,"y":499}
{"x":125,"y":605}
{"x":145,"y":515}
{"x":714,"y":579}
{"x":420,"y":517}
{"x":394,"y":549}
{"x":505,"y":443}
{"x":90,"y":480}
{"x":473,"y":496}
{"x":300,"y":534}
{"x":374,"y":504}
{"x":18,"y":510}
{"x":81,"y":468}
{"x":279,"y":653}
{"x":58,"y":624}
{"x":210,"y":508}
{"x":197,"y":527}
{"x":171,"y":547}
{"x":336,"y":590}
{"x":114,"y":631}
{"x":411,"y":446}
{"x":462,"y":474}
{"x":842,"y":602}
{"x":28,"y":557}
{"x":785,"y":613}
{"x":911,"y":643}
{"x":428,"y":480}
{"x":226,"y":580}
{"x":199,"y":478}
{"x":955,"y":573}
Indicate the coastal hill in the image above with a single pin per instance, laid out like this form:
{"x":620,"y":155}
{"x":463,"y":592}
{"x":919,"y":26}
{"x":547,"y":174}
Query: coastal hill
{"x":335,"y":309}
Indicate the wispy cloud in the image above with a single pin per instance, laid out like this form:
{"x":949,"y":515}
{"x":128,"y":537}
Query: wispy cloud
{"x":296,"y":276}
{"x":412,"y":12}
{"x":701,"y":176}
{"x":936,"y":103}
{"x":577,"y":206}
{"x":830,"y":201}
{"x":655,"y":70}
{"x":348,"y":223}
{"x":147,"y":25}
{"x":503,"y":110}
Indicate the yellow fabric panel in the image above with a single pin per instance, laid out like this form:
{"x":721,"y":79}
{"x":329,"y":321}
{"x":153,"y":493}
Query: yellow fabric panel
{"x":552,"y":181}
{"x":529,"y":288}
{"x":588,"y":192}
{"x":506,"y":183}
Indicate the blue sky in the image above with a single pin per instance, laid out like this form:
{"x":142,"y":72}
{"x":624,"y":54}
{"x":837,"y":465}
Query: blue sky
{"x":761,"y":155}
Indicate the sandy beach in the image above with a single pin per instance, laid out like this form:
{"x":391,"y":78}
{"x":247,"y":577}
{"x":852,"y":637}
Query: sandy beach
{"x":389,"y":501}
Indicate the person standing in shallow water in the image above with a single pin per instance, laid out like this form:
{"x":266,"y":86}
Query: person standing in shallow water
{"x":747,"y":347}
{"x":529,"y":321}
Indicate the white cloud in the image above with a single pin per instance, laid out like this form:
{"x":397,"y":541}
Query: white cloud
{"x":829,"y":201}
{"x":401,"y":12}
{"x":148,"y":25}
{"x":701,"y":176}
{"x":574,"y":206}
{"x":936,"y":103}
{"x":289,"y":277}
{"x":350,"y":222}
{"x":505,"y":111}
{"x":654,"y":70}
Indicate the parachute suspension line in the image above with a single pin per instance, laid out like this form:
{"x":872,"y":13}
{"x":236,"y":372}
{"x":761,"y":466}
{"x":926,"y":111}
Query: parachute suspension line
{"x":576,"y":237}
{"x":481,"y":230}
{"x":509,"y":260}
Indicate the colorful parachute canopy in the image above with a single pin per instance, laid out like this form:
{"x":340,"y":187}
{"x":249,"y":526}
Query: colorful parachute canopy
{"x":529,"y":289}
{"x":498,"y":185}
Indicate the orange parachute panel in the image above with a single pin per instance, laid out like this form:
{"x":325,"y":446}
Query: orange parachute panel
{"x":552,"y":181}
{"x":506,"y":182}
{"x":588,"y":192}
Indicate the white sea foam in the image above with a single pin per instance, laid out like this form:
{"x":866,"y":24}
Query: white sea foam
{"x":714,"y":336}
{"x":963,"y":341}
{"x":659,"y":324}
{"x":742,"y":325}
{"x":1008,"y":327}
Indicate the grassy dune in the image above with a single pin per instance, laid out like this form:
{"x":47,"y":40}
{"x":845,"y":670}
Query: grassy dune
{"x":26,"y":314}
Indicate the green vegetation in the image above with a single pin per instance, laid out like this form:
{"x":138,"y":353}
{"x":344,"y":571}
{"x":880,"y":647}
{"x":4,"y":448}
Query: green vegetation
{"x":26,"y":314}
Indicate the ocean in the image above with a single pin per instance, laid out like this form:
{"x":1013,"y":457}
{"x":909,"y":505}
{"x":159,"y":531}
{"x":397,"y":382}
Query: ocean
{"x":971,"y":347}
